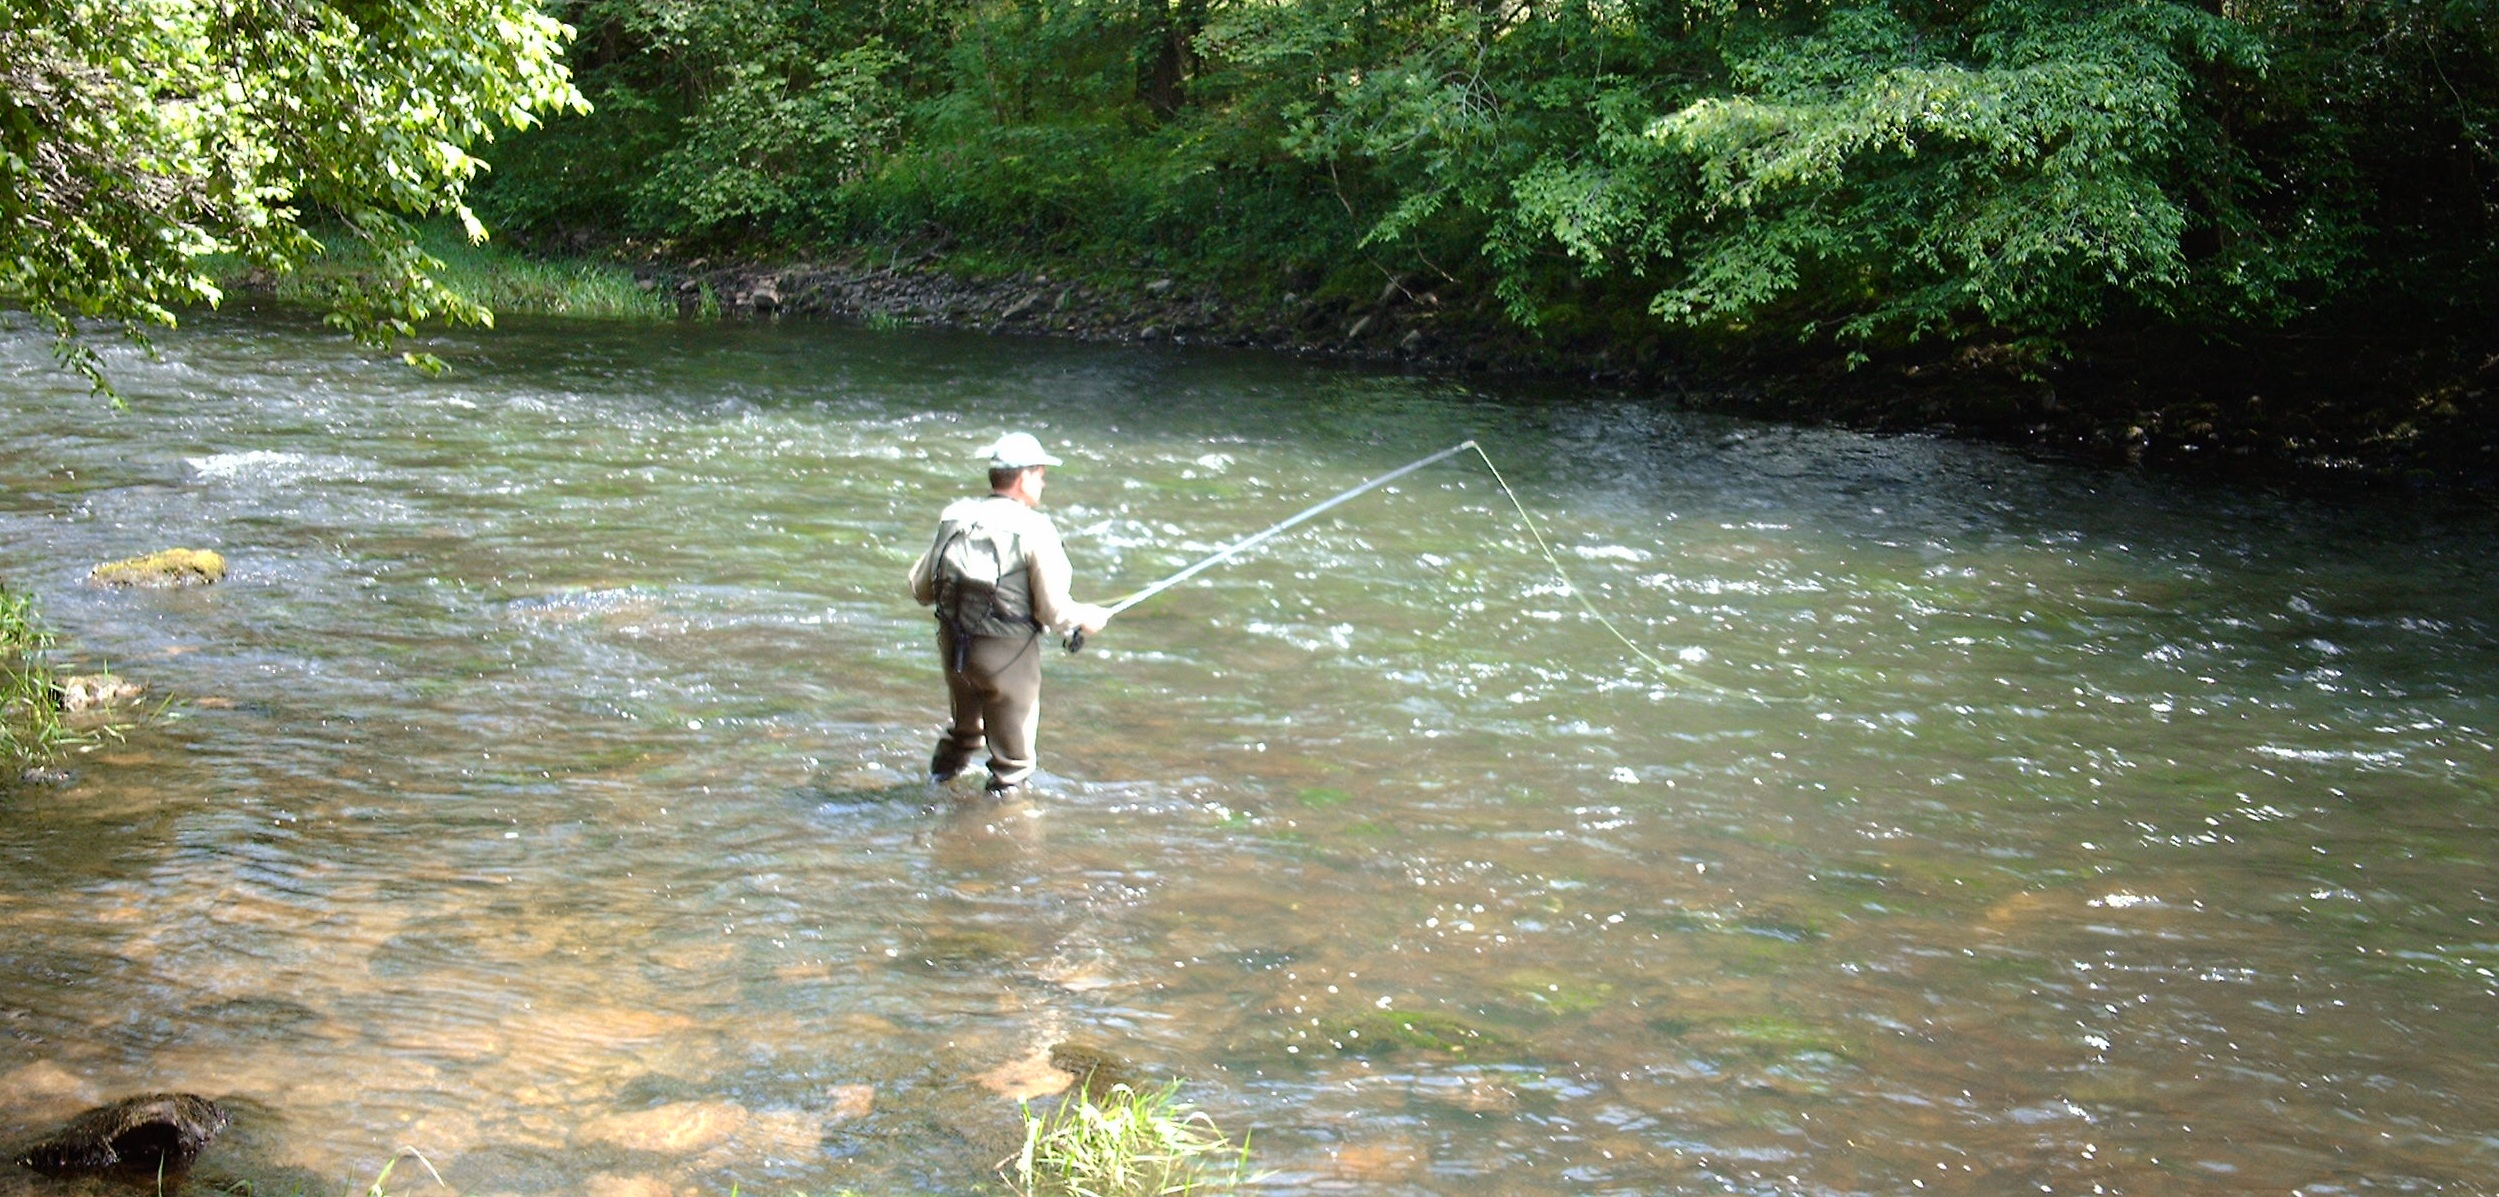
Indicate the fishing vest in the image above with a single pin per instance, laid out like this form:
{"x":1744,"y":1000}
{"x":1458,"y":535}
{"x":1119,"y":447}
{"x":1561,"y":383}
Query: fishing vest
{"x":983,"y":577}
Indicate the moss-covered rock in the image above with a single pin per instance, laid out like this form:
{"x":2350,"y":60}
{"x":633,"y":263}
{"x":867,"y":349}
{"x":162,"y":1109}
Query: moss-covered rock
{"x":1382,"y":1032}
{"x":173,"y":567}
{"x":1769,"y":1037}
{"x":1557,"y":992}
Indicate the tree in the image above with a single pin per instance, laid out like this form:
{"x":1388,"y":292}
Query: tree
{"x":1857,"y":175}
{"x":728,"y":119}
{"x":141,"y":138}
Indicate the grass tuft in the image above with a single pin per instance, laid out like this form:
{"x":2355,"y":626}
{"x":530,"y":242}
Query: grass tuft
{"x":31,"y":731}
{"x":1124,"y":1142}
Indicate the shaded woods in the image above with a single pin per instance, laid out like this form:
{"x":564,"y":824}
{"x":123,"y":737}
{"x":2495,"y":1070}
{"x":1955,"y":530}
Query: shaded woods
{"x":2168,"y":207}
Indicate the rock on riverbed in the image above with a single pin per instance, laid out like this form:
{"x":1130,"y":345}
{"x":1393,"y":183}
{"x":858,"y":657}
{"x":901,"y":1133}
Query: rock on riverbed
{"x":153,"y":1135}
{"x":95,"y":691}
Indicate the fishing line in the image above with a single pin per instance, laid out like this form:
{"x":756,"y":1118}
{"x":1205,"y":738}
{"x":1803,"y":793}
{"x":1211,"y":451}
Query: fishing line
{"x":1559,"y":572}
{"x":1076,"y":640}
{"x":1228,"y":551}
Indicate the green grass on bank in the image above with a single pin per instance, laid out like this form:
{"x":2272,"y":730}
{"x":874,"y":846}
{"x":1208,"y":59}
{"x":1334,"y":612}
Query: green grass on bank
{"x":505,"y":280}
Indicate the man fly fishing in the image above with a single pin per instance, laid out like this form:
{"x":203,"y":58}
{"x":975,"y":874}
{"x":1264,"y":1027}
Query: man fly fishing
{"x":998,"y":577}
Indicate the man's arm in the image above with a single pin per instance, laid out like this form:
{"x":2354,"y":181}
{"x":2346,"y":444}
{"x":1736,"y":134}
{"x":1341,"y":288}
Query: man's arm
{"x":924,"y":576}
{"x":1051,"y":575}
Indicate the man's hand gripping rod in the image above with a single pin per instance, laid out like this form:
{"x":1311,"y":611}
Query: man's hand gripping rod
{"x":1076,"y":639}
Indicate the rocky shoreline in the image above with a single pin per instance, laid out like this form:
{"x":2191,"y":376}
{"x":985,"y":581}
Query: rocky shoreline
{"x":2347,"y":412}
{"x":1403,"y":323}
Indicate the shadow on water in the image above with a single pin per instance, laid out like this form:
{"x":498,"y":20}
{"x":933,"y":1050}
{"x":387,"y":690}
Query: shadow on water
{"x":831,"y":801}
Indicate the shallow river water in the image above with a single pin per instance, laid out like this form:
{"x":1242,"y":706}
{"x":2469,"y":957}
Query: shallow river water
{"x":541,"y":789}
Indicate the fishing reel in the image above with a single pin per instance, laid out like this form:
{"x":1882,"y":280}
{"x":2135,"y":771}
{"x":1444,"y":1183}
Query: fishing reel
{"x":1075,"y":641}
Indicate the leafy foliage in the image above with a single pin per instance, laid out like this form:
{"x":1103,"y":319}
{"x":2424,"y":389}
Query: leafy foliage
{"x":709,"y":114}
{"x":140,"y":137}
{"x":1860,"y":173}
{"x":1868,"y":173}
{"x":2011,"y":175}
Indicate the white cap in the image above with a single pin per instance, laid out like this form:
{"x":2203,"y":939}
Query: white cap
{"x":1018,"y":451}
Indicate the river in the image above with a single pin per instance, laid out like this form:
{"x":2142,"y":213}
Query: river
{"x":541,"y":790}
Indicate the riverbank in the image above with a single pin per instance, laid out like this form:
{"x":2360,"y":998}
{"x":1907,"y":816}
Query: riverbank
{"x":2359,"y":408}
{"x":2354,"y":407}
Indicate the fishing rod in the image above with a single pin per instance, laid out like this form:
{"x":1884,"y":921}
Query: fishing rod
{"x":1076,"y":639}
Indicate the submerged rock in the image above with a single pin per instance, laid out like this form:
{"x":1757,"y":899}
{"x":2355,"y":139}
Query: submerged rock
{"x":851,"y":1102}
{"x":41,"y":1091}
{"x":1026,"y":1077}
{"x":678,"y":1128}
{"x":611,"y":1184}
{"x":1380,"y":1032}
{"x":157,"y":1134}
{"x":1095,"y":1068}
{"x":173,"y":567}
{"x":1092,"y":1071}
{"x":954,"y":949}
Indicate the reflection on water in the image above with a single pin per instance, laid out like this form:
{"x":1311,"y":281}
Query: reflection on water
{"x":541,"y":792}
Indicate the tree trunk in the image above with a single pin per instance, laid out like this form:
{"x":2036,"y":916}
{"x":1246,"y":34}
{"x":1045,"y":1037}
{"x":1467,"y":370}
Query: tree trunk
{"x":1170,"y":57}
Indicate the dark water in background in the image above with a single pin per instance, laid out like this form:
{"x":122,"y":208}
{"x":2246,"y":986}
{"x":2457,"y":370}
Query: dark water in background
{"x":548,"y":760}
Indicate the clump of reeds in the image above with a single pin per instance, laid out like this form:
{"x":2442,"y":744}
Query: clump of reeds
{"x":510,"y":282}
{"x":31,"y":730}
{"x":1124,"y":1142}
